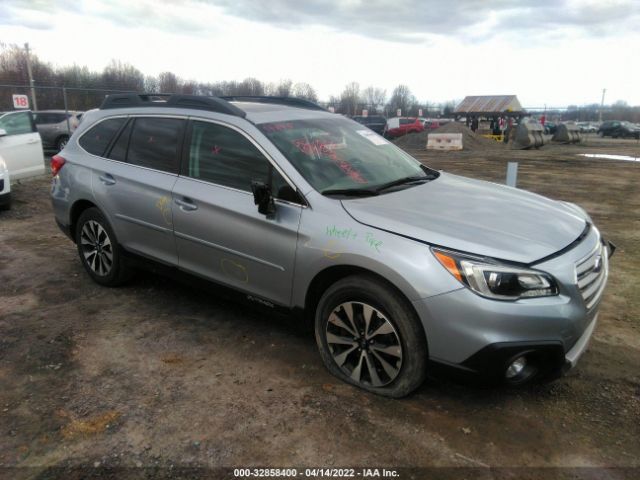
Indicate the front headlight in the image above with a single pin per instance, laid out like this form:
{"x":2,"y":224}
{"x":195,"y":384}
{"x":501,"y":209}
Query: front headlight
{"x":496,"y":281}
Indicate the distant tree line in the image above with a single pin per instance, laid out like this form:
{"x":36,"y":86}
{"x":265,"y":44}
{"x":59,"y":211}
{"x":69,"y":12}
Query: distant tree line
{"x":87,"y":89}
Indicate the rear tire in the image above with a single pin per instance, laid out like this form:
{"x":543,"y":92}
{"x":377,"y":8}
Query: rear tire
{"x":99,"y":250}
{"x":62,"y":142}
{"x":385,"y":354}
{"x":5,"y":202}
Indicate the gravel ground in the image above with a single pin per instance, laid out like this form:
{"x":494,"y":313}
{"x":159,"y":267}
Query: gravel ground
{"x":160,"y":375}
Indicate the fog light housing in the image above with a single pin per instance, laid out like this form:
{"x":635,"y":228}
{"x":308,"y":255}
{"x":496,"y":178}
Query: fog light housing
{"x":516,"y":368}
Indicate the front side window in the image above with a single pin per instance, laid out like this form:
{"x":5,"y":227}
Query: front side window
{"x":223,"y":156}
{"x":98,"y":137}
{"x":16,"y":123}
{"x":337,"y":153}
{"x":154,"y":143}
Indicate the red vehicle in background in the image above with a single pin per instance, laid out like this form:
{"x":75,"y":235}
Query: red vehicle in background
{"x":399,"y":126}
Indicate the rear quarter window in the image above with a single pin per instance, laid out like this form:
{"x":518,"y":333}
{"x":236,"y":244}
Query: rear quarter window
{"x":97,"y":138}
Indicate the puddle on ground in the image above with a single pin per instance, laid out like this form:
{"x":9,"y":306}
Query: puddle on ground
{"x":610,"y":157}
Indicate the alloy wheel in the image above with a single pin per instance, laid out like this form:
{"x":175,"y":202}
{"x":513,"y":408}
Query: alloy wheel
{"x":96,"y":248}
{"x":364,"y":344}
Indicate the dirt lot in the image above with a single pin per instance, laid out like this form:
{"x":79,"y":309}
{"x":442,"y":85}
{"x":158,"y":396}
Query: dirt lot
{"x":159,"y":374}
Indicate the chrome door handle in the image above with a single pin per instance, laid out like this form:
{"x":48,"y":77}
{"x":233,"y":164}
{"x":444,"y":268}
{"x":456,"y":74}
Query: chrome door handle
{"x":33,"y":141}
{"x":107,"y":179}
{"x":186,"y":205}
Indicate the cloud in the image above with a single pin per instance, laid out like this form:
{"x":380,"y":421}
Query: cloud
{"x":408,"y":20}
{"x":165,"y":15}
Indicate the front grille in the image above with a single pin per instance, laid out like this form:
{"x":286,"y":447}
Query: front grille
{"x":591,"y":275}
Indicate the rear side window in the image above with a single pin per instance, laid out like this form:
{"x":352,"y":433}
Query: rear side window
{"x":155,"y":143}
{"x":98,"y":137}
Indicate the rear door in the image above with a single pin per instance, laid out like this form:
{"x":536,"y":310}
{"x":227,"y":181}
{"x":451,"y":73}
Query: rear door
{"x":21,"y":147}
{"x":133,"y":184}
{"x":219,"y":232}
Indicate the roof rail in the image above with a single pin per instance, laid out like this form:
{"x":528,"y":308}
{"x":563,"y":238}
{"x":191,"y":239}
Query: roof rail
{"x":290,"y":101}
{"x":198,"y":102}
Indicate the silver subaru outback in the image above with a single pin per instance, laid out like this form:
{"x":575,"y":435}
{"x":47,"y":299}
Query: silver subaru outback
{"x":405,"y":271}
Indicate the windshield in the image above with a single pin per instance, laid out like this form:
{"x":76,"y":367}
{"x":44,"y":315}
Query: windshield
{"x":340,"y":154}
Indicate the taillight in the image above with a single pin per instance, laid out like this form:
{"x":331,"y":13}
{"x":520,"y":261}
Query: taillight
{"x":57,"y":162}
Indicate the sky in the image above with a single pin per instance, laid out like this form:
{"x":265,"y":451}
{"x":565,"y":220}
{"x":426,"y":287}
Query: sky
{"x":548,"y":52}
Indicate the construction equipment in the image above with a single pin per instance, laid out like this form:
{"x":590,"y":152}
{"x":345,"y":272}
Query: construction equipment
{"x":528,"y":134}
{"x":567,"y":133}
{"x":497,"y":138}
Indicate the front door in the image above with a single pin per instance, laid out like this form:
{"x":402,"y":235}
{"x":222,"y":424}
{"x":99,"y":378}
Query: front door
{"x":219,"y":232}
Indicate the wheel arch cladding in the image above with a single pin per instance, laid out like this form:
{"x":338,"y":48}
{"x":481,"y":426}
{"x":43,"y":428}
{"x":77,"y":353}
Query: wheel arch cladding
{"x":76,"y":210}
{"x":330,"y":275}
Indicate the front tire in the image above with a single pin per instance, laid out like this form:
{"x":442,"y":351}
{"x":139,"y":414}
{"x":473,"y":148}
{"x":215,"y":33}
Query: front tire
{"x":99,"y":250}
{"x":369,"y":336}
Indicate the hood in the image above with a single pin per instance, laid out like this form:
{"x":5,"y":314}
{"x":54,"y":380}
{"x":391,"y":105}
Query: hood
{"x":475,"y":217}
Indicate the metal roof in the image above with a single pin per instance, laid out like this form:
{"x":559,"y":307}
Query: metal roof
{"x":489,"y":104}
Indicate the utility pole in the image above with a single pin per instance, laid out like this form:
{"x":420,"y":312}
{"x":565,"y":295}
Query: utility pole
{"x":604,"y":90}
{"x":33,"y":90}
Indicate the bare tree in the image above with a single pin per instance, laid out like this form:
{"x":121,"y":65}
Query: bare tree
{"x":123,"y":76}
{"x":251,"y":86}
{"x":168,"y":82}
{"x":189,"y":87}
{"x":449,"y":107}
{"x":401,"y":98}
{"x":284,"y":88}
{"x":306,"y":91}
{"x":151,"y":84}
{"x":374,"y":97}
{"x":350,"y":98}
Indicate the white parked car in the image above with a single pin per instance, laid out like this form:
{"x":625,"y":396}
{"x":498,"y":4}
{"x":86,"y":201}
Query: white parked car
{"x":20,"y":145}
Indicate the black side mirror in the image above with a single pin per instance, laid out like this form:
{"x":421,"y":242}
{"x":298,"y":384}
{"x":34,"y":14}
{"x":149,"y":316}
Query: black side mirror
{"x":263,"y":197}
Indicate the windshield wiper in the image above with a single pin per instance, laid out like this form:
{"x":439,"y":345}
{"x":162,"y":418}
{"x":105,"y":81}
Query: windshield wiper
{"x":403,"y":181}
{"x":351,"y":192}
